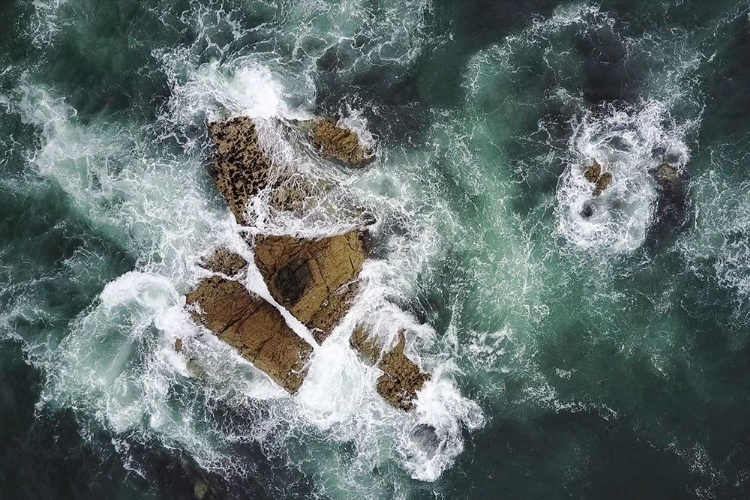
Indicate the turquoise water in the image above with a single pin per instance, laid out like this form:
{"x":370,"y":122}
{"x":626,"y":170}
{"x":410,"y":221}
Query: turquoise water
{"x":572,"y":357}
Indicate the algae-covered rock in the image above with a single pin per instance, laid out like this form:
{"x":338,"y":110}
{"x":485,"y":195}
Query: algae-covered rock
{"x":252,"y":326}
{"x":401,"y":379}
{"x":340,"y":144}
{"x":224,"y":261}
{"x":314,"y":279}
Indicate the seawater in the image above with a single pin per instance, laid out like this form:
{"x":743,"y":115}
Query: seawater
{"x":600,"y":357}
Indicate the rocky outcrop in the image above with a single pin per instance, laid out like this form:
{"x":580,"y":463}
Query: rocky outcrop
{"x":667,"y":175}
{"x":594,"y":175}
{"x":242,"y":168}
{"x":401,"y":379}
{"x":593,"y":172}
{"x":314,"y":279}
{"x":224,"y":261}
{"x":339,"y":144}
{"x":252,"y":326}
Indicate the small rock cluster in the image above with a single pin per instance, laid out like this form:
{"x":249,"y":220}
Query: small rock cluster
{"x":314,"y":279}
{"x":594,"y":175}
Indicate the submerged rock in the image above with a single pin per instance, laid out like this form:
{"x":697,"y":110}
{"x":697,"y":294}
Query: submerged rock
{"x":314,"y":279}
{"x":588,"y":210}
{"x":401,"y":379}
{"x":252,"y":326}
{"x":673,"y":205}
{"x":224,"y":261}
{"x":339,"y":143}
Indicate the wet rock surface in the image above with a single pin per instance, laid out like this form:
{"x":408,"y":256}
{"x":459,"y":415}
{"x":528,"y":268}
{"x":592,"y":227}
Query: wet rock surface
{"x":593,"y":172}
{"x":224,"y":261}
{"x":314,"y":279}
{"x":401,"y":379}
{"x":241,"y":167}
{"x":601,"y":180}
{"x":252,"y":326}
{"x":339,"y":144}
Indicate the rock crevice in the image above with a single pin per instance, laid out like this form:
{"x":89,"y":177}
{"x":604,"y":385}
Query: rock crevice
{"x":315,"y":280}
{"x":252,"y":326}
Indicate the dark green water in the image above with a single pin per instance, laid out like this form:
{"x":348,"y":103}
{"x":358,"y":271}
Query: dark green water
{"x":601,"y":357}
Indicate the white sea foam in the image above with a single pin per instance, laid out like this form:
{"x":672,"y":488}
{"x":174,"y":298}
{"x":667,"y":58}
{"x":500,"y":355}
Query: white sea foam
{"x":117,"y":364}
{"x":629,"y":144}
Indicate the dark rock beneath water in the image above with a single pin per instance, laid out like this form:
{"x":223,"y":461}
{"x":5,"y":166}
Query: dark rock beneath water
{"x":401,"y":379}
{"x":588,"y":211}
{"x":673,"y":205}
{"x":314,"y":279}
{"x":254,"y":327}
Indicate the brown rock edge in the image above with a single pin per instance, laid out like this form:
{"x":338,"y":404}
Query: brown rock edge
{"x":594,"y":175}
{"x":401,"y":379}
{"x":340,"y":144}
{"x":314,"y":279}
{"x":224,"y":261}
{"x":242,"y":168}
{"x":254,"y":327}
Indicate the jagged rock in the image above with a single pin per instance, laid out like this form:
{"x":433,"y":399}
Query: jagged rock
{"x":178,"y":345}
{"x":314,"y":279}
{"x":593,"y":172}
{"x":224,"y":261}
{"x":667,"y":174}
{"x":242,"y":168}
{"x":602,"y":183}
{"x":594,"y":175}
{"x":252,"y":326}
{"x":339,"y":144}
{"x":401,"y":379}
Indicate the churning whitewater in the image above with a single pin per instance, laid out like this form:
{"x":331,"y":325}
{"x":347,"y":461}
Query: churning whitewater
{"x":557,"y":226}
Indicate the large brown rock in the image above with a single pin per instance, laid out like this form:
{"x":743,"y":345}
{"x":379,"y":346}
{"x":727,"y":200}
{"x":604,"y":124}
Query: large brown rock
{"x":254,"y":327}
{"x":340,"y":144}
{"x":314,"y":279}
{"x":242,"y":168}
{"x":401,"y":379}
